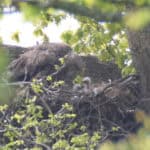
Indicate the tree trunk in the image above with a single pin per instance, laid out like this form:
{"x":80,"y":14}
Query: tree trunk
{"x":139,"y":43}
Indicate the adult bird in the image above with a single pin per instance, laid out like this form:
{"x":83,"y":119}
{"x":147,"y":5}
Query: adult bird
{"x":36,"y":59}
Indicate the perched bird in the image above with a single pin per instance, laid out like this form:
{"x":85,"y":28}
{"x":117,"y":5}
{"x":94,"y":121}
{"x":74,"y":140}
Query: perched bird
{"x":36,"y":59}
{"x":60,"y":49}
{"x":77,"y":87}
{"x":92,"y":88}
{"x":99,"y":88}
{"x":29,"y":63}
{"x":87,"y":86}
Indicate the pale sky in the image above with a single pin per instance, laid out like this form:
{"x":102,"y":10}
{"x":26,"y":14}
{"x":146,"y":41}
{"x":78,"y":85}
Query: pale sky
{"x":14,"y":22}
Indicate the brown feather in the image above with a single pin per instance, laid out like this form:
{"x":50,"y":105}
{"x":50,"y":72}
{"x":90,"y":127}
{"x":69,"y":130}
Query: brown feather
{"x":37,"y":58}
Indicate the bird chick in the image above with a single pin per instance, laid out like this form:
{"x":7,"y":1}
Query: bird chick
{"x":87,"y":85}
{"x":77,"y":87}
{"x":98,"y":88}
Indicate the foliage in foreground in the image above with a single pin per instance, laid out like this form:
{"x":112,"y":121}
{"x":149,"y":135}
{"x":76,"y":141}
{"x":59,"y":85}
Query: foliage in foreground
{"x":29,"y":126}
{"x":35,"y":132}
{"x":139,"y":141}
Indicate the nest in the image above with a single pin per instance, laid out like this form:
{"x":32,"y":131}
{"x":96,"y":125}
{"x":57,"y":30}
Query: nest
{"x":113,"y":106}
{"x":103,"y":101}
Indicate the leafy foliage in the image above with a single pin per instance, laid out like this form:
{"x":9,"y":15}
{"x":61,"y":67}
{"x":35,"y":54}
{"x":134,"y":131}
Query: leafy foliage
{"x":141,"y":19}
{"x":15,"y":36}
{"x":134,"y":142}
{"x":4,"y":96}
{"x":105,"y":40}
{"x":28,"y":128}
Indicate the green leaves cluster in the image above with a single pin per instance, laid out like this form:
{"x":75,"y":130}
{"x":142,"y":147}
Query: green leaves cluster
{"x":108,"y":41}
{"x":37,"y":86}
{"x":141,"y":19}
{"x":134,"y":142}
{"x":29,"y":129}
{"x":31,"y":126}
{"x":5,"y":90}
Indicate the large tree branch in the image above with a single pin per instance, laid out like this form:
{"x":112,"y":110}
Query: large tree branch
{"x":74,"y":8}
{"x":93,"y":13}
{"x":78,"y":9}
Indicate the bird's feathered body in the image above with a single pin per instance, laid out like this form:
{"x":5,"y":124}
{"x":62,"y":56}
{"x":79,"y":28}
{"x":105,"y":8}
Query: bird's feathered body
{"x":36,"y":59}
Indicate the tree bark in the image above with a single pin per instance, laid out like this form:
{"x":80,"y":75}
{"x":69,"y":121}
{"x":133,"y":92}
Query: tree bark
{"x":75,"y":9}
{"x":139,"y":43}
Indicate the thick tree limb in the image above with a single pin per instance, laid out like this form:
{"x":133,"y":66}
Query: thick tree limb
{"x":77,"y":9}
{"x":74,"y":8}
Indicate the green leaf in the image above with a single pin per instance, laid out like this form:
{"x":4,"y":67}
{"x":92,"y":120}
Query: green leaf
{"x":60,"y":144}
{"x":138,"y":19}
{"x":15,"y":36}
{"x":30,"y":12}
